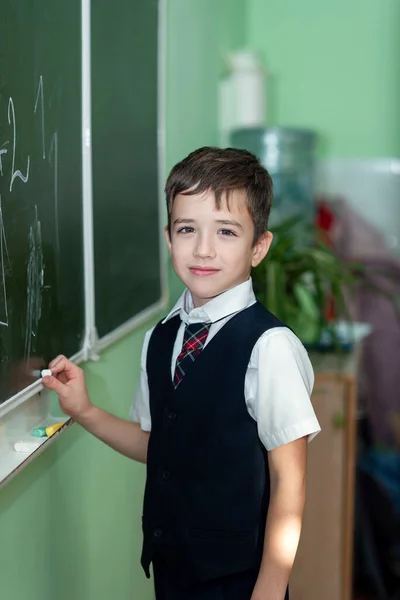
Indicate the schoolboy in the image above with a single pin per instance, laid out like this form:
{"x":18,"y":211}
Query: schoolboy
{"x":222,"y":413}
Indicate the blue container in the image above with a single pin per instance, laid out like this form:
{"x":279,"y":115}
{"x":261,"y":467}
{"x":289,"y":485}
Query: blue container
{"x":289,"y":156}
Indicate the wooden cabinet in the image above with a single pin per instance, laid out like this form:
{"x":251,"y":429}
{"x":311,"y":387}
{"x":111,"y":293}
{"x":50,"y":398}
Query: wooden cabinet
{"x":323,"y":566}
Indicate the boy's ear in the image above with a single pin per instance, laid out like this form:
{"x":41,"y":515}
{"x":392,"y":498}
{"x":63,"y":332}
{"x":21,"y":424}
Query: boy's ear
{"x":261,"y":248}
{"x":167,"y":237}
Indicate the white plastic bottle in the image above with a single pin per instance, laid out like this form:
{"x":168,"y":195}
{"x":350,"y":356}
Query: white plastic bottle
{"x":242,"y":94}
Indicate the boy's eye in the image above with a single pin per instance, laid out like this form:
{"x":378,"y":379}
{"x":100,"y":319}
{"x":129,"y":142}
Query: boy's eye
{"x":186,"y":230}
{"x":227,"y":232}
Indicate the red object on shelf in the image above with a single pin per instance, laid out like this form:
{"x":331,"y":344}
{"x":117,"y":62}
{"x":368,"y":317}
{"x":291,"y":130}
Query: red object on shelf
{"x":325,"y":220}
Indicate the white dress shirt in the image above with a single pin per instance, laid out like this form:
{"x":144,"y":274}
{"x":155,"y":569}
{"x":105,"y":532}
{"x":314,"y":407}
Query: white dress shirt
{"x":279,"y":377}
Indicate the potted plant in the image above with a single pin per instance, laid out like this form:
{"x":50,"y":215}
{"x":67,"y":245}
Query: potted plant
{"x":304,"y":285}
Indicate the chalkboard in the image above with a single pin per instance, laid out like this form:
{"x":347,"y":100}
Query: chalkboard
{"x":125,"y":163}
{"x":41,"y":248}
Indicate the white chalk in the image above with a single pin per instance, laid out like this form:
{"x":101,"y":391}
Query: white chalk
{"x":46,"y":373}
{"x":26,"y":447}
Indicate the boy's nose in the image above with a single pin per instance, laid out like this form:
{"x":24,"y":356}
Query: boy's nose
{"x":204,"y":248}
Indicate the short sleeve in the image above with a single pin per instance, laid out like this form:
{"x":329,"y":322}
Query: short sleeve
{"x":278,"y":387}
{"x":140,"y":409}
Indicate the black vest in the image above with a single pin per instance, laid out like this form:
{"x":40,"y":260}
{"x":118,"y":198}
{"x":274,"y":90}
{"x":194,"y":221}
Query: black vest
{"x":207,"y":489}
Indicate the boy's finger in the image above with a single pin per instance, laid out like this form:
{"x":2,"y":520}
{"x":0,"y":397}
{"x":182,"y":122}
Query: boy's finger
{"x":62,"y":377}
{"x":62,"y":364}
{"x":56,"y":362}
{"x":54,"y":384}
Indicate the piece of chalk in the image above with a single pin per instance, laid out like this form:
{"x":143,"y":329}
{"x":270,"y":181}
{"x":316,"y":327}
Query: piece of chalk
{"x":46,"y":373}
{"x":26,"y":447}
{"x":47,"y":431}
{"x":53,"y":428}
{"x":39,"y":432}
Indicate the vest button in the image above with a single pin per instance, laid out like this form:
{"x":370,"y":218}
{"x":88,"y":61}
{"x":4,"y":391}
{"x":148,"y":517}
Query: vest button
{"x":172,"y":414}
{"x":166,"y":474}
{"x":157,"y":532}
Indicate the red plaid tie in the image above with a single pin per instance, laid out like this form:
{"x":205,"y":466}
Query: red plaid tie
{"x":193,"y":343}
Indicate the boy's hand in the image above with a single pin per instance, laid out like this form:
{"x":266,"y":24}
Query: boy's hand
{"x":68,"y":382}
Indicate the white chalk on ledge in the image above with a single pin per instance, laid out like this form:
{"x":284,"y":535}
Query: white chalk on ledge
{"x":26,"y":447}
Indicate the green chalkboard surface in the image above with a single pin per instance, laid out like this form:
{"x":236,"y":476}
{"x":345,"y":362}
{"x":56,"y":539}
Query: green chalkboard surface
{"x":125,"y":174}
{"x":41,"y":249}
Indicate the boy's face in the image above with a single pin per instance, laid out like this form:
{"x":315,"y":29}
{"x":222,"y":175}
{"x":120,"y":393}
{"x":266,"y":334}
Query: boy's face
{"x":212,"y":250}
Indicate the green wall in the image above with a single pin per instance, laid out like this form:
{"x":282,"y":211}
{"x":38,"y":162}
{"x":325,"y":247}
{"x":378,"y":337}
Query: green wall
{"x":207,"y":30}
{"x":203,"y":31}
{"x":70,"y":521}
{"x":334,"y":67}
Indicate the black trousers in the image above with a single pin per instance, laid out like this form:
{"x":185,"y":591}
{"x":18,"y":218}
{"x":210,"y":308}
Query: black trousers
{"x":239,"y":586}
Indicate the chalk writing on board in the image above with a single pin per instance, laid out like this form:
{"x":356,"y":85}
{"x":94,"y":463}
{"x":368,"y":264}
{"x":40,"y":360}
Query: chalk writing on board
{"x":2,"y":151}
{"x":35,"y":266}
{"x":54,"y":150}
{"x":15,"y":173}
{"x":34,"y":283}
{"x":40,"y":94}
{"x":4,"y":257}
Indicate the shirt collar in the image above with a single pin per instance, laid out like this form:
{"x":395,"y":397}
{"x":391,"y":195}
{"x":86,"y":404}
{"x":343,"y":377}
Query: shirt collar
{"x":227,"y":303}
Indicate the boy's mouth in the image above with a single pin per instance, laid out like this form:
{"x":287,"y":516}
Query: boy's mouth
{"x":203,"y":271}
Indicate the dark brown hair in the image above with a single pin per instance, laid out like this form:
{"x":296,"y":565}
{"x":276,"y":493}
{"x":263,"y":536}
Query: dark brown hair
{"x":223,"y":170}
